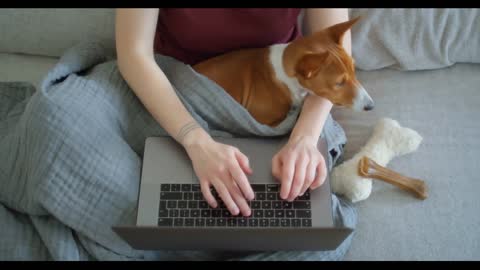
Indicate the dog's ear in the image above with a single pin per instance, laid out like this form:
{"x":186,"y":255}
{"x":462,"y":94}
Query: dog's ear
{"x":338,"y":31}
{"x":310,"y":64}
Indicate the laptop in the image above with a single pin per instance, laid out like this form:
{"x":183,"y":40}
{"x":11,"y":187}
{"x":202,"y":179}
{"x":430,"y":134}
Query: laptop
{"x":172,"y":214}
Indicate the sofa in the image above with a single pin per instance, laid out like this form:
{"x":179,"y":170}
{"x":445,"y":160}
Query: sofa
{"x":421,"y":66}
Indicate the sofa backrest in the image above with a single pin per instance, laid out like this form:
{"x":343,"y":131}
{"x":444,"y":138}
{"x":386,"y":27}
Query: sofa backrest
{"x":405,"y":39}
{"x":51,"y":31}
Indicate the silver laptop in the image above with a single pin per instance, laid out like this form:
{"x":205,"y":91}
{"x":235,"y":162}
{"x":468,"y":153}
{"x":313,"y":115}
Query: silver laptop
{"x":172,"y":214}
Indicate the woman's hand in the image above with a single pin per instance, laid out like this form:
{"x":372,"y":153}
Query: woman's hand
{"x":299,"y":166}
{"x":223,"y":167}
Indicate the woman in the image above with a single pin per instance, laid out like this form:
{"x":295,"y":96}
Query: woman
{"x":192,"y":35}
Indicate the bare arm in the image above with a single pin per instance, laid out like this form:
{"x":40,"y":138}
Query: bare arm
{"x":218,"y":165}
{"x":316,"y":109}
{"x":299,"y":165}
{"x":135,"y":33}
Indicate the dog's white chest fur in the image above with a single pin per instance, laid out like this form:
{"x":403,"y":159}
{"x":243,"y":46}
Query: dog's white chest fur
{"x":297,"y":91}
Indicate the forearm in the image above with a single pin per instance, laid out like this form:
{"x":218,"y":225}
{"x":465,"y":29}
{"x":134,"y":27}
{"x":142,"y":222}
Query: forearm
{"x":315,"y":109}
{"x":312,"y":118}
{"x":156,"y":93}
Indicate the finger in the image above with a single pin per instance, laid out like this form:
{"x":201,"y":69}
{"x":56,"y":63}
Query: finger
{"x":299,"y":178}
{"x":207,"y":194}
{"x":226,"y":198}
{"x":309,"y":177}
{"x":321,"y":175}
{"x":241,"y":179}
{"x":243,"y":161}
{"x":288,"y":168}
{"x":238,"y":198}
{"x":276,"y":168}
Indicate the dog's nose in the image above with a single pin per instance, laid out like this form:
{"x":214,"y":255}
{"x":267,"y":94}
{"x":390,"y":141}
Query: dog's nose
{"x":369,"y":106}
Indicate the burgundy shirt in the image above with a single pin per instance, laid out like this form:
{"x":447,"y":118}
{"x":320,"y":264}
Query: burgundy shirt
{"x":195,"y":34}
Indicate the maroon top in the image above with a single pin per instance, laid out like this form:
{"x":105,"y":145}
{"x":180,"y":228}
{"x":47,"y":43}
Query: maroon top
{"x":195,"y":34}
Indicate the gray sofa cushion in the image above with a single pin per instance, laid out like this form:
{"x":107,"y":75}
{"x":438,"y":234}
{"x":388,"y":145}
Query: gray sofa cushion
{"x":443,"y":105}
{"x":414,"y":39}
{"x":51,"y":31}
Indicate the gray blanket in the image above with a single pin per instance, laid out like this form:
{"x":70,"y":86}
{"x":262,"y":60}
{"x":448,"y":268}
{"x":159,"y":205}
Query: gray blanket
{"x":71,"y":156}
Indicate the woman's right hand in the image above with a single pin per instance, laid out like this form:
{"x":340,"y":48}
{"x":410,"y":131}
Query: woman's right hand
{"x":223,"y":167}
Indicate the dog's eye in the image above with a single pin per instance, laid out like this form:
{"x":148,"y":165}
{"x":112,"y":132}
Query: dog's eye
{"x":341,"y":83}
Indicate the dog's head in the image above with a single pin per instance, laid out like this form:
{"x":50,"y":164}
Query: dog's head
{"x":326,"y":69}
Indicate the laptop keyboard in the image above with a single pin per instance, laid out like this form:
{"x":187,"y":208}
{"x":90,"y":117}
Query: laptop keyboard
{"x":182,"y":205}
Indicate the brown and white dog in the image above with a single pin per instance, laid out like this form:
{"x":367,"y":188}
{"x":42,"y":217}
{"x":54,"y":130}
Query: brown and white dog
{"x":269,"y":81}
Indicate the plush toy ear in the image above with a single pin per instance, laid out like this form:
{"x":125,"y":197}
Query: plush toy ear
{"x":337,"y":31}
{"x":310,"y":64}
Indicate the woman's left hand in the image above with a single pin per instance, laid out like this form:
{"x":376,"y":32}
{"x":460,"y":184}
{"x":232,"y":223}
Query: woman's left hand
{"x":299,"y":166}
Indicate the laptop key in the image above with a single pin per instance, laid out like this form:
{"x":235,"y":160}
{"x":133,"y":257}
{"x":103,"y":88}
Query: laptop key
{"x":186,"y":187}
{"x":216,"y":213}
{"x":256,"y":205}
{"x":175,"y":187}
{"x":306,"y":222}
{"x":182,"y":204}
{"x":173,"y":213}
{"x":189,"y":222}
{"x":271,"y":196}
{"x":287,"y":205}
{"x":203,"y":204}
{"x":279,"y":213}
{"x":269,"y":213}
{"x":196,"y":187}
{"x":163,"y":213}
{"x":263,"y":222}
{"x":170,"y":195}
{"x":305,"y":197}
{"x":165,"y":187}
{"x":290,"y":213}
{"x":221,"y":222}
{"x":304,"y":213}
{"x":274,"y":223}
{"x":194,"y":213}
{"x":258,"y":188}
{"x":277,"y":205}
{"x":284,"y":222}
{"x":167,"y":222}
{"x":188,"y":196}
{"x":226,"y":213}
{"x":172,"y":204}
{"x":199,"y":222}
{"x":242,"y":222}
{"x":301,"y":204}
{"x":258,"y":213}
{"x":197,"y":196}
{"x":260,"y":196}
{"x":184,"y":213}
{"x":205,"y":213}
{"x":163,"y":205}
{"x":210,"y":222}
{"x":296,"y":222}
{"x":253,"y":222}
{"x":178,"y":222}
{"x":232,"y":222}
{"x":266,"y":204}
{"x":193,"y":204}
{"x":272,"y":188}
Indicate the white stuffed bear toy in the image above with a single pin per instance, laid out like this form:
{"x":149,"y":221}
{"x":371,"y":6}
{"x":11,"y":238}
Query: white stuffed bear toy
{"x":388,"y":140}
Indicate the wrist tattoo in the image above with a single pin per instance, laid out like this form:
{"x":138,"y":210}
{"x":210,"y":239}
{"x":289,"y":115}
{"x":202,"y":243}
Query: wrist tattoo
{"x":186,"y":129}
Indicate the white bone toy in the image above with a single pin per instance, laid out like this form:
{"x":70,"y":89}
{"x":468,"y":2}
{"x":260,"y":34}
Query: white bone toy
{"x":388,"y":140}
